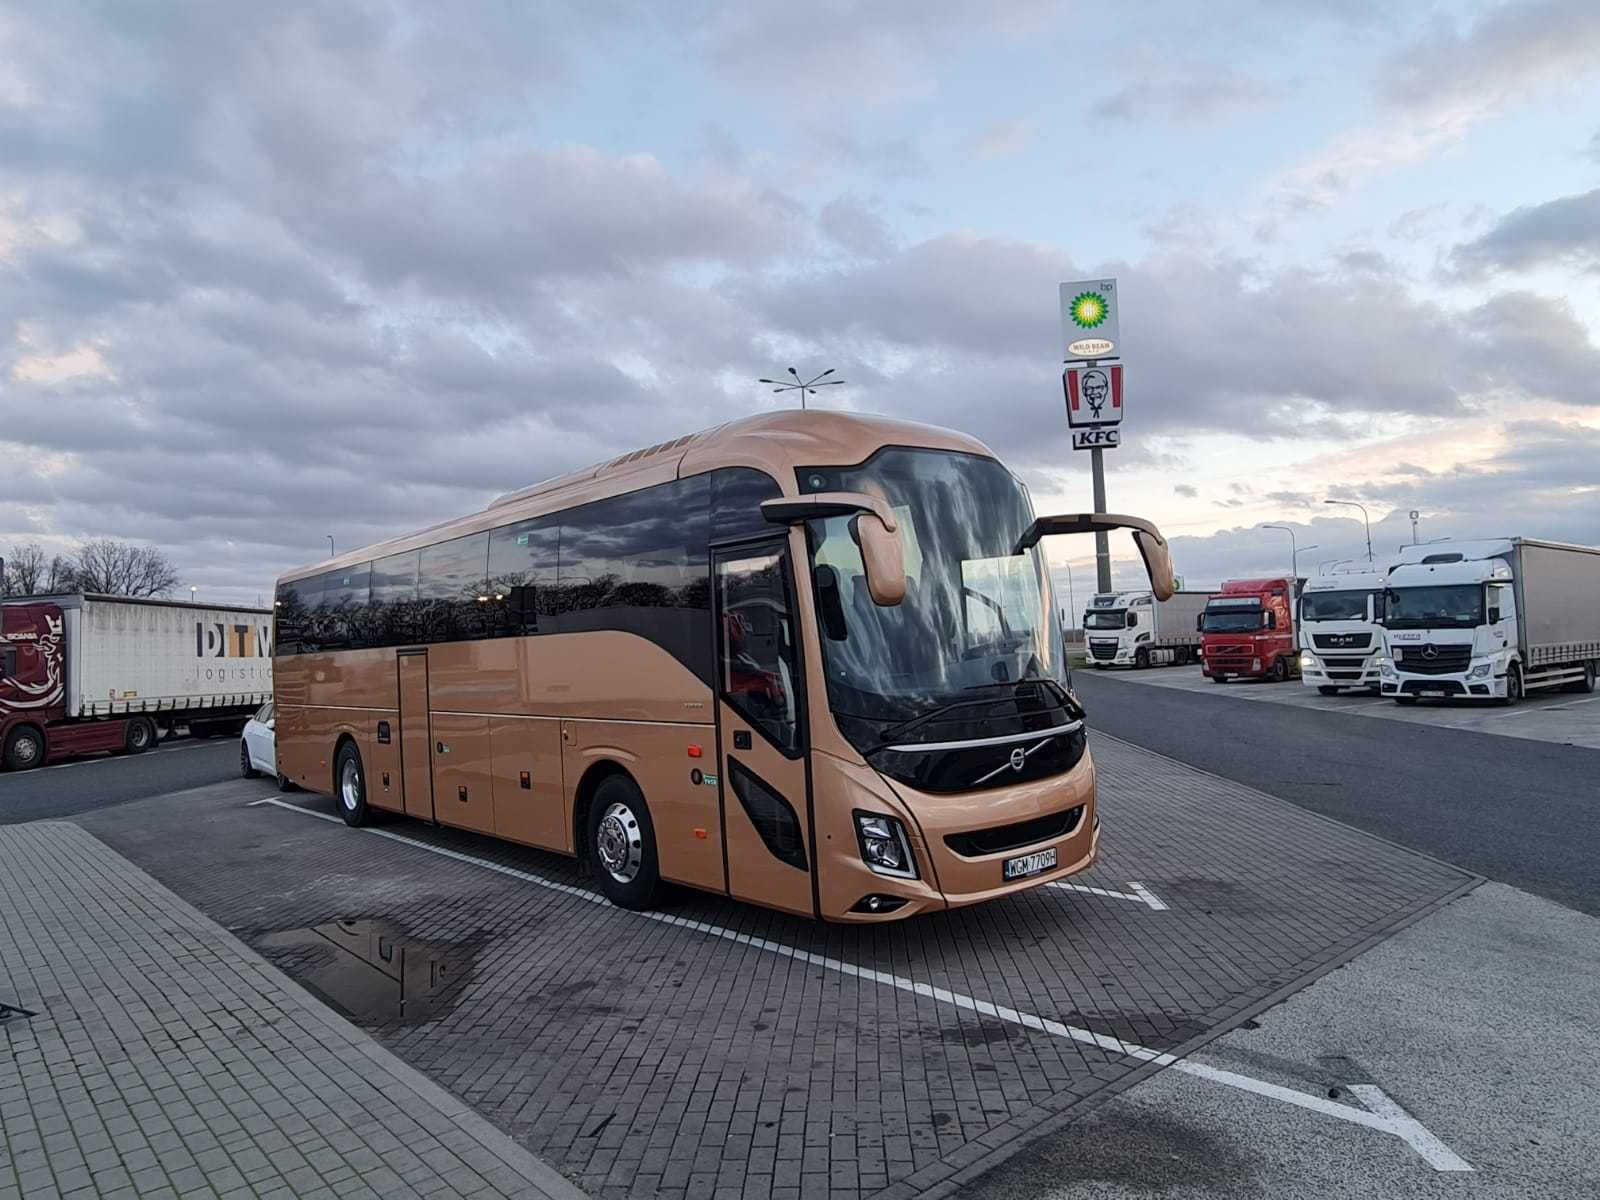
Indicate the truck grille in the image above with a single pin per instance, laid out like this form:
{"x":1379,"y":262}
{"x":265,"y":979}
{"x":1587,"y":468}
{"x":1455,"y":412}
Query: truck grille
{"x":1341,"y":663}
{"x":1102,"y":649}
{"x":1445,"y":660}
{"x":1341,"y":641}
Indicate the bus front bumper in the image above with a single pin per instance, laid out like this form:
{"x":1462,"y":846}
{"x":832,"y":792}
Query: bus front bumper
{"x":948,"y":835}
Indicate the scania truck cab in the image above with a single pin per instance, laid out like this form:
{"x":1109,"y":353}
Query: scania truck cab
{"x":1247,"y":631}
{"x":1491,"y":619}
{"x":1134,"y":629}
{"x":1341,"y":636}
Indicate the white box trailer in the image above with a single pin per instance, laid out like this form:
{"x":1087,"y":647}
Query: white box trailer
{"x":1135,"y":629}
{"x":86,"y":672}
{"x":1493,"y":618}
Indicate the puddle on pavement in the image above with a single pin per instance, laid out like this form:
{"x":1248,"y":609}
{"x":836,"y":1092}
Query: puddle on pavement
{"x":373,"y":971}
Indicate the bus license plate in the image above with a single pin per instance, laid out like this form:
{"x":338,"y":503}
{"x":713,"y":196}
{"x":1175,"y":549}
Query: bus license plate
{"x":1028,"y":864}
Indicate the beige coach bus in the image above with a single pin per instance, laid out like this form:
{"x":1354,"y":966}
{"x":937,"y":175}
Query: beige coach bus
{"x":809,"y":660}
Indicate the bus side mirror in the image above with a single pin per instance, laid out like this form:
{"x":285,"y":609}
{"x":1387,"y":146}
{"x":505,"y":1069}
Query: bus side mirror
{"x":884,"y":557}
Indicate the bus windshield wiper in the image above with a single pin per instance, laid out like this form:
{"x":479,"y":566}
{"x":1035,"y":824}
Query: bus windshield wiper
{"x":898,"y":730}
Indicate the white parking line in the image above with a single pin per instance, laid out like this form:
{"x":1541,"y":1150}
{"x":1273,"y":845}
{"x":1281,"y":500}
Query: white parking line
{"x":1136,"y":892}
{"x":1439,"y":1156}
{"x":1394,"y":1120}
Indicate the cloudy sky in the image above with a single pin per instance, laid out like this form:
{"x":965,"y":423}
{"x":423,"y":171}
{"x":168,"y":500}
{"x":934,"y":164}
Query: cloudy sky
{"x":270,"y":272}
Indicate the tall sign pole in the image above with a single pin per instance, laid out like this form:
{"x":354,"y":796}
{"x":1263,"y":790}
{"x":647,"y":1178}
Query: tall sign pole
{"x":1092,"y":382}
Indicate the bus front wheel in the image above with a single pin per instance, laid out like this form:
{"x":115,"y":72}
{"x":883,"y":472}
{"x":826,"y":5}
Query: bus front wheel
{"x":622,"y":844}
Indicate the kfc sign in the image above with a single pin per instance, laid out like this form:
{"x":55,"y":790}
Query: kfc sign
{"x":1094,"y":395}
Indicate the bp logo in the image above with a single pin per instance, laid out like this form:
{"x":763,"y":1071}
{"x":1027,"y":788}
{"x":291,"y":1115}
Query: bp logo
{"x":1089,"y":310}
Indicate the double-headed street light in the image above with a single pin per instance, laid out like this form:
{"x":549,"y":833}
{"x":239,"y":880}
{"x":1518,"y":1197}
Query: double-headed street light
{"x":1367,"y":521}
{"x":1294,"y":552}
{"x":803,"y":385}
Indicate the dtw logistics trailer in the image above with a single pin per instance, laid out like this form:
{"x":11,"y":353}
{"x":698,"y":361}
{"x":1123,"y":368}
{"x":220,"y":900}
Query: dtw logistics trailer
{"x":1135,"y":629}
{"x":86,"y":672}
{"x":1493,"y":618}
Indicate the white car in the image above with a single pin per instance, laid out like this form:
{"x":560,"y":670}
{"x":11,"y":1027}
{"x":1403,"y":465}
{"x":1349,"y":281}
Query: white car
{"x":258,"y":750}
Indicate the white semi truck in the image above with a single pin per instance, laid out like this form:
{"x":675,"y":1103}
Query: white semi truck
{"x":1134,"y":629}
{"x":1341,"y":637}
{"x":1491,"y":619}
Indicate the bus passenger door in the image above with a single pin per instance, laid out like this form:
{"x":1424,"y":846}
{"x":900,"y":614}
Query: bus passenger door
{"x":765,"y":785}
{"x":416,"y":750}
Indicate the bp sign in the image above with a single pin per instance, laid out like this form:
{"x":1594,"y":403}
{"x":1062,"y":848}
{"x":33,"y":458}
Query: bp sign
{"x":1089,"y":325}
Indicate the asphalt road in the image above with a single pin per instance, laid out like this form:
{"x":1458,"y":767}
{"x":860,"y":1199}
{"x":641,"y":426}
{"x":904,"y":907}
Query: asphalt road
{"x":1523,"y":812}
{"x":81,"y":785}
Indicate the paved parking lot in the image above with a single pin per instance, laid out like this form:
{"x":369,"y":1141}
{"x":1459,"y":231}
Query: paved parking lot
{"x":1563,"y":717}
{"x":717,"y":1049}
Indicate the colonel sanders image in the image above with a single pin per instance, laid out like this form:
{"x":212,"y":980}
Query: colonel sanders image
{"x":1095,"y":389}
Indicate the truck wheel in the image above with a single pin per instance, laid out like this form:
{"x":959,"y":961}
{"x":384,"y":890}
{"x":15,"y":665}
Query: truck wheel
{"x":1586,"y":684}
{"x":141,"y":735}
{"x":1513,"y":686}
{"x":1219,"y":679}
{"x":1141,"y":658}
{"x":1279,"y":672}
{"x":24,"y":748}
{"x":622,"y":843}
{"x":1324,"y":690}
{"x":350,"y":785}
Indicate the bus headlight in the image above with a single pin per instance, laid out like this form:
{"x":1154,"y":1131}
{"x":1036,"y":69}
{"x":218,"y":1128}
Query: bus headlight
{"x":1480,"y":671}
{"x":884,"y":845}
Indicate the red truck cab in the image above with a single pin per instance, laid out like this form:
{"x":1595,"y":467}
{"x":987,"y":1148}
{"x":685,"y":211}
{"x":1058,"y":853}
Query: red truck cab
{"x":1247,"y":631}
{"x":33,"y":691}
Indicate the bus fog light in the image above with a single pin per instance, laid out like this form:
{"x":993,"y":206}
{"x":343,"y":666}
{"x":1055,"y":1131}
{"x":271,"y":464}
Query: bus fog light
{"x":1480,"y":671}
{"x":884,"y":845}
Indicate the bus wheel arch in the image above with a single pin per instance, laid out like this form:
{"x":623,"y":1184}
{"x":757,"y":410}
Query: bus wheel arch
{"x":593,"y":776}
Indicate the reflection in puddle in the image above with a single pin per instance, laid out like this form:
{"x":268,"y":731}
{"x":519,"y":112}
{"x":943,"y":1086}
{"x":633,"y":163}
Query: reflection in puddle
{"x":372,"y":971}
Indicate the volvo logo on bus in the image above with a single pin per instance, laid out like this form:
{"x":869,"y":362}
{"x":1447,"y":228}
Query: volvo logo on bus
{"x":1019,"y":756}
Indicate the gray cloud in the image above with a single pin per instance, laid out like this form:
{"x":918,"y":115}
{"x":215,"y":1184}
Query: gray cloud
{"x":1192,"y":99}
{"x":1565,"y":231}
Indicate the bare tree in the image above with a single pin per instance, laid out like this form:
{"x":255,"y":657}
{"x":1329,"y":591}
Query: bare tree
{"x":29,"y":573}
{"x":122,"y":569}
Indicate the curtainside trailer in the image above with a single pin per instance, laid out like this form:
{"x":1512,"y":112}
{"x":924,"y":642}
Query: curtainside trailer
{"x":88,"y":673}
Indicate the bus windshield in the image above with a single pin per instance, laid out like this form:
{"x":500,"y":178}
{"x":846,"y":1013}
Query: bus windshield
{"x":1456,"y":606}
{"x":1333,"y":606}
{"x":974,"y":615}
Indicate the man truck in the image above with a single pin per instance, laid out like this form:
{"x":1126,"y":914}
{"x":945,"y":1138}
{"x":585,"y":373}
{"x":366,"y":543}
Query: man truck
{"x":1247,"y":631}
{"x":1491,"y":619}
{"x":1341,"y":637}
{"x":87,"y":673}
{"x":1134,"y":629}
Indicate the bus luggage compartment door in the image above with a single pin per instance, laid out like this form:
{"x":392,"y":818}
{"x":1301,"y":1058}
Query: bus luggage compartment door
{"x":761,"y":729}
{"x":416,"y":752}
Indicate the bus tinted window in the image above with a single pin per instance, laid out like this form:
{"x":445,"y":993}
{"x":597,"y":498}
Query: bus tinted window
{"x":522,"y":574}
{"x":637,"y":563}
{"x":451,"y":577}
{"x":342,"y":610}
{"x":291,"y":611}
{"x":394,"y":600}
{"x":736,"y":496}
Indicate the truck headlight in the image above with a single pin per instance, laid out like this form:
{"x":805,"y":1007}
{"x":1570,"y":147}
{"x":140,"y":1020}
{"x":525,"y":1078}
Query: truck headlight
{"x":884,"y":845}
{"x":1385,"y":667}
{"x":1308,"y":661}
{"x":1480,"y":671}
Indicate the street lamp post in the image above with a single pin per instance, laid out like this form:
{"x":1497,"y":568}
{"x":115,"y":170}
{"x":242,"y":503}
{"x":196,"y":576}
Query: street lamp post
{"x":192,"y":592}
{"x":1072,"y":601}
{"x":1414,"y":515}
{"x":1365,"y":520}
{"x":803,"y":385}
{"x":330,"y":545}
{"x":1294,"y":553}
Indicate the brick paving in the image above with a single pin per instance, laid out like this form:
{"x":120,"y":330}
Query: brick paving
{"x":644,"y":1058}
{"x":164,"y":1058}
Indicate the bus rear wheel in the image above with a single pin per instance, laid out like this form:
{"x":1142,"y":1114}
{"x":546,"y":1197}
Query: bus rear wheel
{"x":622,"y":844}
{"x":350,"y":784}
